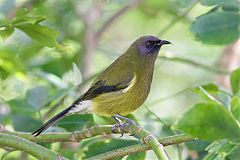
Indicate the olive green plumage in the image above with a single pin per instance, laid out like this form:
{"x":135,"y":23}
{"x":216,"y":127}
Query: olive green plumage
{"x":135,"y":73}
{"x":122,"y":87}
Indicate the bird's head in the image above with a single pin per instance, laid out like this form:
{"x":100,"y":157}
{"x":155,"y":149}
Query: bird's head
{"x":149,"y":45}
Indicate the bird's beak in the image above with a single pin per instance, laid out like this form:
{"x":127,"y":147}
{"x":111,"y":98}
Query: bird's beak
{"x":163,"y":42}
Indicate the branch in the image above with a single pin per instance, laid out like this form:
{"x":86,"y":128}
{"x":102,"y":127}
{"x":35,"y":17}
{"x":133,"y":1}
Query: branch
{"x":165,"y":123}
{"x":184,"y":61}
{"x":194,"y":63}
{"x":106,"y":130}
{"x":177,"y":18}
{"x":114,"y":17}
{"x":171,"y":140}
{"x":150,"y":140}
{"x":34,"y":149}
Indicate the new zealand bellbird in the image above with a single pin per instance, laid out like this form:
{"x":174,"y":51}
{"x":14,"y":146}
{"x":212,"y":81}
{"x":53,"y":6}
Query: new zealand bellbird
{"x":121,"y":88}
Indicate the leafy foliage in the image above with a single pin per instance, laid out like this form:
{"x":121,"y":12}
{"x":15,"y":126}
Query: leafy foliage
{"x":235,"y":107}
{"x":207,"y":120}
{"x":29,"y":24}
{"x":225,"y":28}
{"x":222,"y":150}
{"x":76,"y":122}
{"x":46,"y":44}
{"x":227,"y":5}
{"x":235,"y":81}
{"x":20,"y":121}
{"x":96,"y":148}
{"x":37,"y":97}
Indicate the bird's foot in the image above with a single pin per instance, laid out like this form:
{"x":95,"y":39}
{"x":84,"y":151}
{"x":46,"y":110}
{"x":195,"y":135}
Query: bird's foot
{"x":121,"y":126}
{"x":117,"y":126}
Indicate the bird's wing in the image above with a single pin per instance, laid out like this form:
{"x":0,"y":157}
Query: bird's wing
{"x":106,"y":85}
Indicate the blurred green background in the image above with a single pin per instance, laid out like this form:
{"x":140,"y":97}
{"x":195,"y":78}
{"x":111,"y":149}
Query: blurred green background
{"x":51,"y":50}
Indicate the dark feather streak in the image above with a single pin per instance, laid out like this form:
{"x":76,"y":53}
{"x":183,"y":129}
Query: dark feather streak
{"x":99,"y":88}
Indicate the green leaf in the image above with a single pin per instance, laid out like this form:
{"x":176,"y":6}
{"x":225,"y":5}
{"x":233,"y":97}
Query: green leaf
{"x":137,"y":156}
{"x":220,"y":146}
{"x":225,"y":99}
{"x":77,"y":76}
{"x":208,"y":120}
{"x":235,"y":154}
{"x":53,"y":79}
{"x":37,"y":97}
{"x":9,"y":62}
{"x":220,"y":149}
{"x":57,"y":66}
{"x":235,"y":81}
{"x":73,"y":76}
{"x":232,"y":5}
{"x":207,"y":91}
{"x":20,"y":106}
{"x":211,"y":156}
{"x":68,"y":153}
{"x":211,"y":92}
{"x":198,"y":146}
{"x":76,"y":122}
{"x":42,"y":34}
{"x":25,"y":123}
{"x":24,"y":16}
{"x":5,"y":32}
{"x":59,"y":94}
{"x":185,"y":3}
{"x":109,"y":145}
{"x":217,"y":27}
{"x":103,"y":120}
{"x":235,"y":107}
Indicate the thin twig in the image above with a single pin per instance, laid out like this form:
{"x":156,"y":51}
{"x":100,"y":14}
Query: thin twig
{"x":116,"y":16}
{"x":171,"y":140}
{"x":92,"y":37}
{"x":189,"y":62}
{"x":162,"y":99}
{"x":194,"y":63}
{"x":177,"y":18}
{"x":157,"y":117}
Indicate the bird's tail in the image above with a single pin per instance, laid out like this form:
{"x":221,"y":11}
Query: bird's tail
{"x":78,"y":106}
{"x":52,"y":121}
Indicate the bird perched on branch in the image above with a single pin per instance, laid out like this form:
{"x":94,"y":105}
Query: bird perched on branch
{"x":121,"y":88}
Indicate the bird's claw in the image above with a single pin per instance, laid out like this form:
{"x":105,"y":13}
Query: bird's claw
{"x":116,"y":127}
{"x":121,"y":126}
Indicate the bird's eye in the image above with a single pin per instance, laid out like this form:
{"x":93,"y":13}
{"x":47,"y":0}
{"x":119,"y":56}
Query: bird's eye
{"x":149,"y":44}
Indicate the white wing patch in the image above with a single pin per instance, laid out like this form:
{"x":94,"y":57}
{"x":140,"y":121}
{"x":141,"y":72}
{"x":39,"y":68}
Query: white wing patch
{"x":81,"y":107}
{"x":133,"y":81}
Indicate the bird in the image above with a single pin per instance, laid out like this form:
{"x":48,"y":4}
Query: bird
{"x":121,"y":88}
